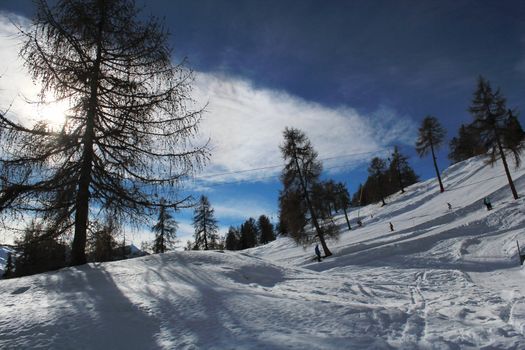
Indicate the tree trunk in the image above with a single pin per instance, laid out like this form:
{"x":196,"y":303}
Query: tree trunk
{"x":441,"y":188}
{"x":320,"y":233}
{"x":78,"y":249}
{"x":505,"y":165}
{"x":400,"y":179}
{"x":346,"y":217}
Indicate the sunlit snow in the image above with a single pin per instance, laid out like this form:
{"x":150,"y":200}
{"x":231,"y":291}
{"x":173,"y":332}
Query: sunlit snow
{"x":444,"y":279}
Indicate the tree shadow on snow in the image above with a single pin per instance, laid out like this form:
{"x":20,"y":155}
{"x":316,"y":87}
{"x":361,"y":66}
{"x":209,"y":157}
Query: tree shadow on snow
{"x":93,"y":313}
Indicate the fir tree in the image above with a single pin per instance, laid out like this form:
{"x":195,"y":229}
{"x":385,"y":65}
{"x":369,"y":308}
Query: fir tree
{"x":497,"y":126}
{"x":401,"y":173}
{"x":281,"y":227}
{"x":300,"y":174}
{"x":128,"y":133}
{"x":376,"y":171}
{"x":165,"y":231}
{"x":357,"y":197}
{"x":39,"y":251}
{"x":102,"y":242}
{"x":466,"y":145}
{"x":249,"y":233}
{"x":430,"y":138}
{"x":265,"y":228}
{"x":9,"y":266}
{"x":205,"y":225}
{"x":343,"y":201}
{"x":232,"y":239}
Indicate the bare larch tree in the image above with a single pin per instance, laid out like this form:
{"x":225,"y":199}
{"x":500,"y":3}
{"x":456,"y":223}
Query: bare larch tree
{"x":129,"y":135}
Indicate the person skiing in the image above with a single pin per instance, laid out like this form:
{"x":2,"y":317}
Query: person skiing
{"x":487,"y":203}
{"x":318,"y":252}
{"x":391,"y":227}
{"x":449,"y":206}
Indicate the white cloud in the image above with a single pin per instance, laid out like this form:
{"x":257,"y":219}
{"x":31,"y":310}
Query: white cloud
{"x":242,"y":209}
{"x":16,"y":87}
{"x":245,"y":125}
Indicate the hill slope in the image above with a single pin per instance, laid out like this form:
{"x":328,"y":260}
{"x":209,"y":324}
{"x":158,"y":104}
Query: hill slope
{"x":444,"y":279}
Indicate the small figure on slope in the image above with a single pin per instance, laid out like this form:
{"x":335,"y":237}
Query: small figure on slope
{"x":318,"y":252}
{"x":487,"y":203}
{"x":449,"y":206}
{"x":391,"y":227}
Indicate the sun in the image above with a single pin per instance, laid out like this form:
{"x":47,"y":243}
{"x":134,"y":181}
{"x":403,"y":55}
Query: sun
{"x":53,"y":113}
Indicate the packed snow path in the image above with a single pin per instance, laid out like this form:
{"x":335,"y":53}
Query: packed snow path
{"x":444,"y":279}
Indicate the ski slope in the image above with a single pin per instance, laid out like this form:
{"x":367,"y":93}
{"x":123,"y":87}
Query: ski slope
{"x":444,"y":279}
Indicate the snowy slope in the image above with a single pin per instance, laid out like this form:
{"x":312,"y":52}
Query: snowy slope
{"x":444,"y":279}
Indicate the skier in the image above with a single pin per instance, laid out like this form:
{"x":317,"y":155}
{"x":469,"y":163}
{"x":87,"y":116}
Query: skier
{"x":360,"y":223}
{"x":391,"y":227}
{"x":318,"y":252}
{"x":449,"y":206}
{"x":487,"y":203}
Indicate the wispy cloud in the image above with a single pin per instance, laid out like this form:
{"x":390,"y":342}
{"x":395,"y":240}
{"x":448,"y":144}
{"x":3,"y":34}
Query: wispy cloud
{"x":242,"y":209}
{"x":18,"y":93}
{"x":245,"y":124}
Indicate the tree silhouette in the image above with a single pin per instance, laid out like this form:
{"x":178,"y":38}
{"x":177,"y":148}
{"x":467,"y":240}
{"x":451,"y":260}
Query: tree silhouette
{"x":165,"y":230}
{"x":430,"y":138}
{"x":376,"y":171}
{"x":265,"y":228}
{"x":249,"y":233}
{"x":343,"y":200}
{"x":232,"y":239}
{"x":400,"y":172}
{"x":466,"y":145}
{"x":301,"y":172}
{"x":128,"y":134}
{"x":205,"y":225}
{"x":498,"y":127}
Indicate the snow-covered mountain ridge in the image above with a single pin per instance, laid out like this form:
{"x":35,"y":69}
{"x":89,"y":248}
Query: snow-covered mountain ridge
{"x":444,"y":279}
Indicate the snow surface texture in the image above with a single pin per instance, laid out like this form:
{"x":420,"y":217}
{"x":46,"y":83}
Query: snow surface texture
{"x":444,"y":279}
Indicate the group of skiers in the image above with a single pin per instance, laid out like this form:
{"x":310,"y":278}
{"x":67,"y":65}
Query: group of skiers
{"x":486,"y":202}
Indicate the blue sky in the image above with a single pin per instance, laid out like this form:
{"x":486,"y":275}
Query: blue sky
{"x":356,"y":76}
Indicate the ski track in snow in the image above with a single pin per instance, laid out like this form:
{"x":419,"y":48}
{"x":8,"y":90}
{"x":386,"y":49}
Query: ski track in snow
{"x":444,"y":279}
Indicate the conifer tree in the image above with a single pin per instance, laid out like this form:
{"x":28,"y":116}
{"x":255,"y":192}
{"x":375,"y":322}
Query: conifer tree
{"x":376,"y":171}
{"x":265,"y":228}
{"x":430,"y":138}
{"x":232,"y":239}
{"x":357,"y":197}
{"x":321,"y":200}
{"x":249,"y":233}
{"x":128,"y":134}
{"x":39,"y":251}
{"x":104,"y":246}
{"x":300,"y":174}
{"x":343,"y":200}
{"x":497,"y":126}
{"x":165,"y":231}
{"x":281,"y":227}
{"x":466,"y":145}
{"x":9,"y":266}
{"x":401,"y":173}
{"x":205,"y":225}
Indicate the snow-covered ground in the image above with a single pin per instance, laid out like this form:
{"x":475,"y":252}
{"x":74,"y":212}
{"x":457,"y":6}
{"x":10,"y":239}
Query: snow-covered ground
{"x":444,"y":279}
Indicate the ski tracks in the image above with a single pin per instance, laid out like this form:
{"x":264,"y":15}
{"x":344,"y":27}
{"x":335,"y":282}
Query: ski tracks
{"x":415,"y":327}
